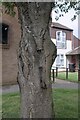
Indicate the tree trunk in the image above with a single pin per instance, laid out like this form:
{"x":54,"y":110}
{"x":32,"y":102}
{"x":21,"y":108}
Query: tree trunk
{"x":36,"y":56}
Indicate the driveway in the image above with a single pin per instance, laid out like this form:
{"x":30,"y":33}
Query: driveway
{"x":57,"y":84}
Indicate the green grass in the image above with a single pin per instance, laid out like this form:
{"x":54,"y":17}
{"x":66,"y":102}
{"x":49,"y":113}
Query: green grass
{"x":65,"y":104}
{"x":72,"y":76}
{"x":0,"y":106}
{"x":11,"y":105}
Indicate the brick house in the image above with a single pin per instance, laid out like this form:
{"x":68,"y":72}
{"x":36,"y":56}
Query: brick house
{"x":62,"y":37}
{"x":68,"y":46}
{"x":9,"y":41}
{"x":73,"y":56}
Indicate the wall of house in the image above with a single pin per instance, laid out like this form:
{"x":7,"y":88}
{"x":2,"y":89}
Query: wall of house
{"x":69,"y":38}
{"x":70,"y":59}
{"x":76,"y":42}
{"x":9,"y":54}
{"x":77,"y":62}
{"x":63,"y":51}
{"x":54,"y":30}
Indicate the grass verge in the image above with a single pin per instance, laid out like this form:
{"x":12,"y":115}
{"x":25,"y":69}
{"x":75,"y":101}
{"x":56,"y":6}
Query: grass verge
{"x":72,"y":76}
{"x":11,"y":105}
{"x":65,"y":104}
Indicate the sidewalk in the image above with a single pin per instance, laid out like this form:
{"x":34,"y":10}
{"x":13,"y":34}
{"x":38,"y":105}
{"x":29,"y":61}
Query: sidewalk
{"x":57,"y":84}
{"x":64,"y":84}
{"x":10,"y":88}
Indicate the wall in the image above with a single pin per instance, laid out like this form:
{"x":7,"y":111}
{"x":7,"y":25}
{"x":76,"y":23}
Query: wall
{"x":69,"y":38}
{"x":76,"y":42}
{"x":9,"y":55}
{"x":71,"y":60}
{"x":54,"y":30}
{"x":63,"y":51}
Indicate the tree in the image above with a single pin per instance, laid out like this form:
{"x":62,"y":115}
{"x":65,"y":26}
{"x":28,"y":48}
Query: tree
{"x":35,"y":57}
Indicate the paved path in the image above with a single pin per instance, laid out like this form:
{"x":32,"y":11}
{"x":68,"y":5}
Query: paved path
{"x":10,"y":89}
{"x":64,"y":84}
{"x":56,"y":84}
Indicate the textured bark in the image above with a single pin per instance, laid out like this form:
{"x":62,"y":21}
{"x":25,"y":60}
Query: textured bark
{"x":36,"y":55}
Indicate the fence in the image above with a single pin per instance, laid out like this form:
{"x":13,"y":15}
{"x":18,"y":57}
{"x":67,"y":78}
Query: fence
{"x":56,"y":71}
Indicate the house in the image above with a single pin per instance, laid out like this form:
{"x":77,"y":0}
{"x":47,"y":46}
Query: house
{"x":73,"y":56}
{"x":9,"y":42}
{"x":62,"y":37}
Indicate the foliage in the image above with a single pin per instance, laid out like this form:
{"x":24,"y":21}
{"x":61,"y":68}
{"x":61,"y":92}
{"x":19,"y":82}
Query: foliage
{"x":59,"y":7}
{"x":63,"y":7}
{"x":9,"y":8}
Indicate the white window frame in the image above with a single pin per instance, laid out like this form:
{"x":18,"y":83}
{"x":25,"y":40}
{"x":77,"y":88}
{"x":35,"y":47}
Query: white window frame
{"x":59,"y":59}
{"x":61,"y":42}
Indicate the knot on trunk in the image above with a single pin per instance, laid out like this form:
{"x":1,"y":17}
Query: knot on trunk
{"x":42,"y":81}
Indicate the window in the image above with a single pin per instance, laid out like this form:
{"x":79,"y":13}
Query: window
{"x":61,"y":40}
{"x":4,"y":34}
{"x":60,"y":60}
{"x":58,"y":36}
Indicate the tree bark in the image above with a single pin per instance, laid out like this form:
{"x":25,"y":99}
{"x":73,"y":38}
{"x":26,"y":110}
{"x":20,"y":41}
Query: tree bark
{"x":36,"y":55}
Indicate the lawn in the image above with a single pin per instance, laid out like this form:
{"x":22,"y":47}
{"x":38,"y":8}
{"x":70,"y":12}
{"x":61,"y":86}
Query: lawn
{"x":72,"y":76}
{"x":11,"y":105}
{"x":65,"y":104}
{"x":0,"y":106}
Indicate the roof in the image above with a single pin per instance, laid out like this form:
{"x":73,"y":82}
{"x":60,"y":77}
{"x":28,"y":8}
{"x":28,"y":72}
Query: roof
{"x":60,"y":26}
{"x":76,"y":51}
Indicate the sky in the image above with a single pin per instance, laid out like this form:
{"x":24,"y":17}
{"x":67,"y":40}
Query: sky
{"x":66,"y":20}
